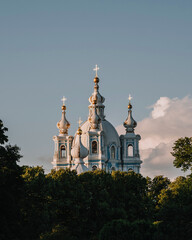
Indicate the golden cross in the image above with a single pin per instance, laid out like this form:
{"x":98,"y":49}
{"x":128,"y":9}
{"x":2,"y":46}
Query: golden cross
{"x":79,"y":122}
{"x":96,"y":69}
{"x":129,"y":98}
{"x":63,"y":100}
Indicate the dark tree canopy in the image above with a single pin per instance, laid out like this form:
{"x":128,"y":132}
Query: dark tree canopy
{"x":3,"y":137}
{"x":182,"y":152}
{"x":94,"y":205}
{"x":10,"y":188}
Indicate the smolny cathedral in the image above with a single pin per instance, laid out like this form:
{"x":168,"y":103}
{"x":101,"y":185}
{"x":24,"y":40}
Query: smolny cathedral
{"x":96,"y":144}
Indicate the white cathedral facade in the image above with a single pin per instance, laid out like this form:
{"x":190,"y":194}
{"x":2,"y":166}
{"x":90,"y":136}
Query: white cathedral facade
{"x":96,"y":144}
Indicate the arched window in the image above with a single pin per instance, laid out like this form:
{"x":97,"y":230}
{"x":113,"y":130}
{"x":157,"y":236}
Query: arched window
{"x":112,"y":152}
{"x":94,"y":147}
{"x":94,"y":168}
{"x":130,"y":150}
{"x":63,"y":151}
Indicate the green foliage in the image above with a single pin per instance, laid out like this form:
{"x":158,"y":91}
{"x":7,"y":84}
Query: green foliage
{"x":10,"y":189}
{"x":35,"y":216}
{"x":182,"y":152}
{"x":90,"y":206}
{"x":3,"y":137}
{"x":82,"y":204}
{"x":123,"y":229}
{"x":176,"y":209}
{"x":156,"y":185}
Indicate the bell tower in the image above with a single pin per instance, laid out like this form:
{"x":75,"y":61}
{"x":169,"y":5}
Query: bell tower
{"x":130,"y":144}
{"x":63,"y":142}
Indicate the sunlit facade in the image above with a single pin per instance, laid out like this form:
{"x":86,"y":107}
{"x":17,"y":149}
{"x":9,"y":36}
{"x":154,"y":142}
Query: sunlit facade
{"x":96,"y":144}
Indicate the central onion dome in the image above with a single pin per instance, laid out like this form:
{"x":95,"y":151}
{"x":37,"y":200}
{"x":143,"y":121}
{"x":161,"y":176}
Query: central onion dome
{"x":96,"y":100}
{"x":97,"y":123}
{"x":96,"y":96}
{"x":109,"y":132}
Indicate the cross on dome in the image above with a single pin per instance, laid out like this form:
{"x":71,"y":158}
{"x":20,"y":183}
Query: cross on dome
{"x":64,"y":100}
{"x":96,"y":69}
{"x":130,"y":97}
{"x":79,"y":122}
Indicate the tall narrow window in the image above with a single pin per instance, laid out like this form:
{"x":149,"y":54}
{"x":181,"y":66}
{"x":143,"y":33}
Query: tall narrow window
{"x":94,"y":147}
{"x":63,"y":151}
{"x":130,"y":150}
{"x":112,"y":152}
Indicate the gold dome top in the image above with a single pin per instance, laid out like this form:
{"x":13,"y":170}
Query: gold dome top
{"x":129,"y":106}
{"x":63,"y":107}
{"x":79,"y":131}
{"x":96,"y":79}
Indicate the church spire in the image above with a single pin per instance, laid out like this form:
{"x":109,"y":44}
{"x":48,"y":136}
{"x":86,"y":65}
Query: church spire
{"x":96,"y":99}
{"x":130,"y":124}
{"x":63,"y":125}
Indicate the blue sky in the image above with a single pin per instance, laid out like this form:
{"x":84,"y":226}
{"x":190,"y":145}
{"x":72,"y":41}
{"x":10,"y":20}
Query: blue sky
{"x":49,"y":49}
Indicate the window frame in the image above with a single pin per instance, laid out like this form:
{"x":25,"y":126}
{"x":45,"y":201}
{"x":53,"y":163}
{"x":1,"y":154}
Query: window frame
{"x":63,"y":149}
{"x":128,"y":147}
{"x":95,"y":148}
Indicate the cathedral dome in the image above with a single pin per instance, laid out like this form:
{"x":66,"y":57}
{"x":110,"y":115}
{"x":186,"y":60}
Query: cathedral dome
{"x":96,"y":144}
{"x":109,"y":132}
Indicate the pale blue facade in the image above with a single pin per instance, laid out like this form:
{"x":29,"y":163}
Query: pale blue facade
{"x":106,"y":149}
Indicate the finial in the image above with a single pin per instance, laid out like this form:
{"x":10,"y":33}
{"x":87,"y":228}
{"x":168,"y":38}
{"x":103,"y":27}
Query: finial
{"x":79,"y":131}
{"x":129,"y":106}
{"x":79,"y":122}
{"x":96,"y":69}
{"x":129,"y":98}
{"x":64,"y":100}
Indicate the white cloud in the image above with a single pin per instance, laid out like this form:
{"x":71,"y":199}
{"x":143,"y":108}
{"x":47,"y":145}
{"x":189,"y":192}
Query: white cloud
{"x":159,"y":108}
{"x":169,"y":120}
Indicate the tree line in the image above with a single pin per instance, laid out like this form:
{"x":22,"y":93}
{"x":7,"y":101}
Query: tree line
{"x":94,"y":205}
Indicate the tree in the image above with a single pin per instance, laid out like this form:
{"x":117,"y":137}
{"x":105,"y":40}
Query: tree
{"x":35,"y":217}
{"x":10,"y":188}
{"x":175,"y":210}
{"x":123,"y":229}
{"x":129,"y":191}
{"x":3,"y":137}
{"x":182,"y":152}
{"x":156,"y":185}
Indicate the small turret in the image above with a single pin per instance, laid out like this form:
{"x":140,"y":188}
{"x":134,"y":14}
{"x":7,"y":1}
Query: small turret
{"x":130,"y":144}
{"x":130,"y":124}
{"x":63,"y":142}
{"x":63,"y":125}
{"x":97,"y":99}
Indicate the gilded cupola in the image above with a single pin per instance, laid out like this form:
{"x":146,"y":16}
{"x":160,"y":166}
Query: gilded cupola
{"x":130,"y":124}
{"x":63,"y":125}
{"x":96,"y":100}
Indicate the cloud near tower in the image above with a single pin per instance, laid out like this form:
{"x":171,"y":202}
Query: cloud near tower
{"x":169,"y":120}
